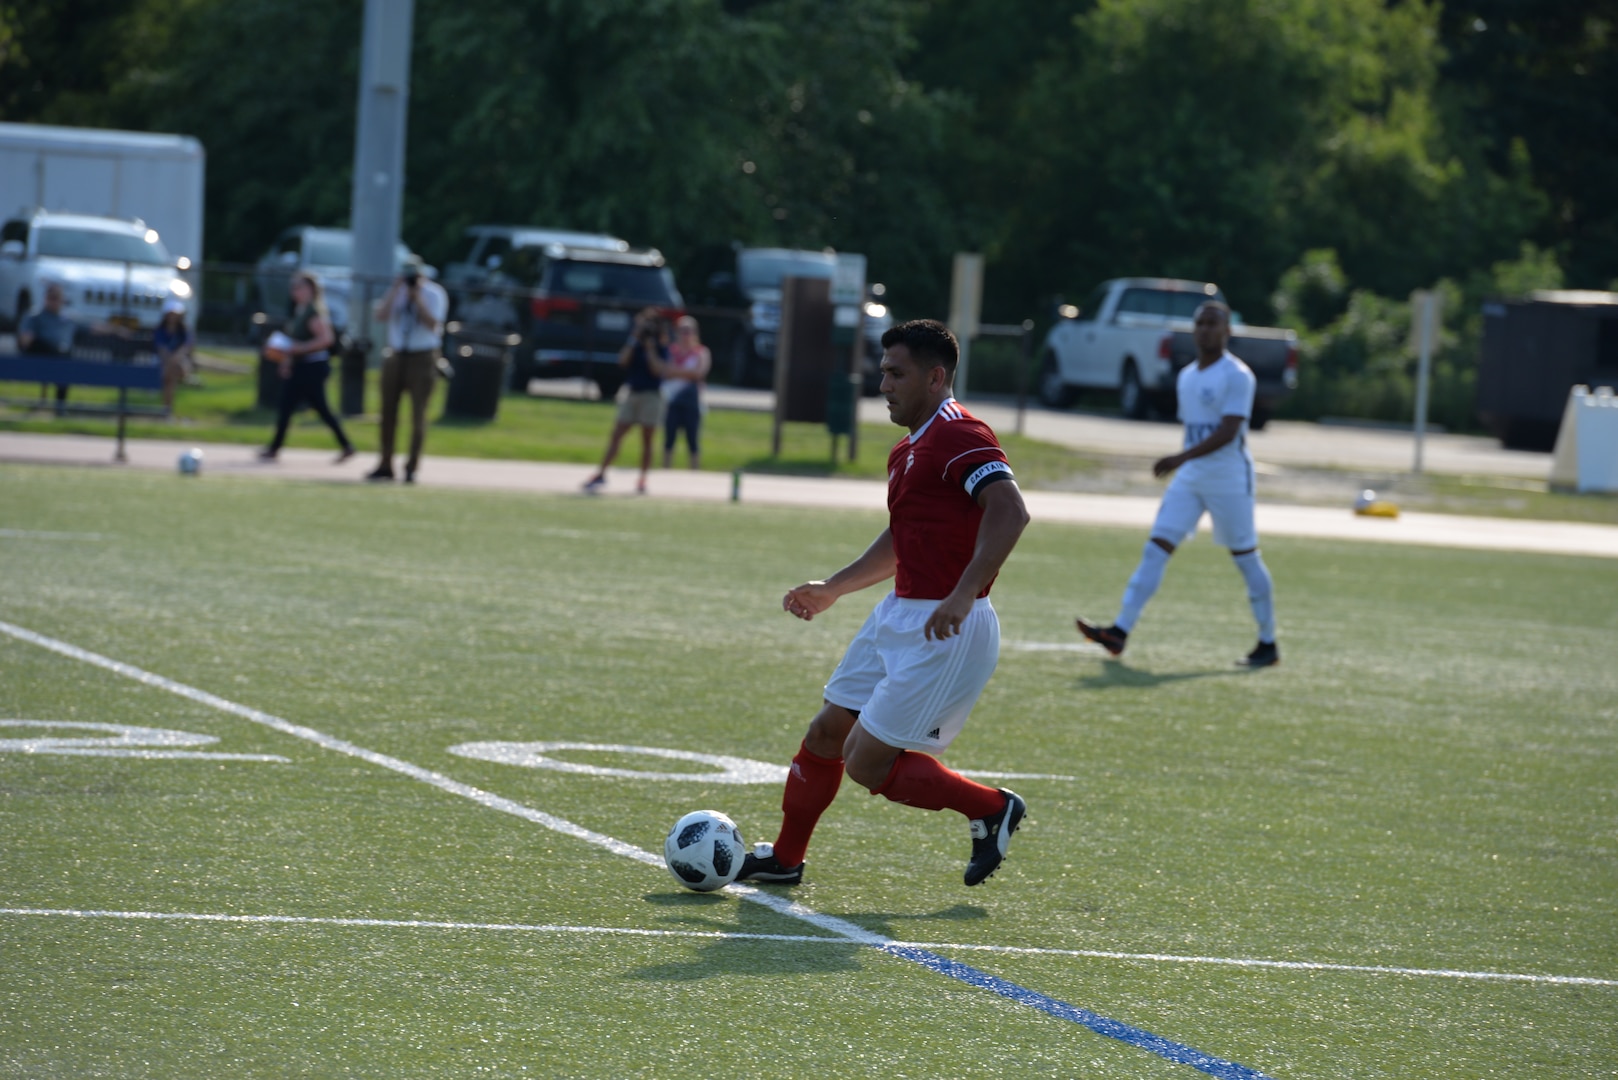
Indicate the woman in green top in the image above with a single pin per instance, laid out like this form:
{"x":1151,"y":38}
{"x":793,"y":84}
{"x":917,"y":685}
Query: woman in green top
{"x":307,"y":365}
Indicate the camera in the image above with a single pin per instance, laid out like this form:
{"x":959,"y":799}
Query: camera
{"x":410,"y":277}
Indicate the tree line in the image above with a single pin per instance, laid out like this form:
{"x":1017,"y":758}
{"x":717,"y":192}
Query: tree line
{"x":1317,"y":158}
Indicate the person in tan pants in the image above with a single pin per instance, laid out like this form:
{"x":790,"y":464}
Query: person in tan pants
{"x":413,"y":310}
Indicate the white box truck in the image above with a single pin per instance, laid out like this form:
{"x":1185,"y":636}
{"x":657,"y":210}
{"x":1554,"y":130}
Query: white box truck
{"x":120,"y":174}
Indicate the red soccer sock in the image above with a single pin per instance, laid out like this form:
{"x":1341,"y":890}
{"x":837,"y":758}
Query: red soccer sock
{"x":921,"y":780}
{"x":812,"y":784}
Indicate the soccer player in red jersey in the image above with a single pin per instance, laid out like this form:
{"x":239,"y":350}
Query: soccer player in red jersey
{"x":911,"y":675}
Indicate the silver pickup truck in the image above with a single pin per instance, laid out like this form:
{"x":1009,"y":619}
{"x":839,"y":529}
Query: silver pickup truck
{"x":1133,"y":335}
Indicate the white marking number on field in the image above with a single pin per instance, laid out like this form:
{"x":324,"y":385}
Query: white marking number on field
{"x":115,"y":740}
{"x":537,"y":755}
{"x":732,"y":770}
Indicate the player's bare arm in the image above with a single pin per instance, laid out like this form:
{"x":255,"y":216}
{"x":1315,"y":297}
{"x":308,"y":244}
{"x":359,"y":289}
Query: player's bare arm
{"x":1229,"y":427}
{"x":876,"y":563}
{"x":1004,"y":518}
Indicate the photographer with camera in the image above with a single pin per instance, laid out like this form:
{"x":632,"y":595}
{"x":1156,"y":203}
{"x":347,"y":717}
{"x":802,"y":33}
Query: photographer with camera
{"x":413,"y":309}
{"x":644,"y":359}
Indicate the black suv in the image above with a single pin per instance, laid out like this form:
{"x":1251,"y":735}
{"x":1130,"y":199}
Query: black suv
{"x":572,"y":307}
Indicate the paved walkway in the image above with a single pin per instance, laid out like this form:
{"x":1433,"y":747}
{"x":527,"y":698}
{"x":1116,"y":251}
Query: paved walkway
{"x":1287,"y":443}
{"x":1133,"y":512}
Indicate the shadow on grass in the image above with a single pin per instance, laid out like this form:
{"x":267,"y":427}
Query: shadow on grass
{"x":463,"y":423}
{"x":894,"y":926}
{"x":797,"y":466}
{"x":740,"y":956}
{"x":1116,"y":675}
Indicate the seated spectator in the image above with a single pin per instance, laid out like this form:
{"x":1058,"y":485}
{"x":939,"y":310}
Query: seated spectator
{"x":47,"y":332}
{"x":173,"y":342}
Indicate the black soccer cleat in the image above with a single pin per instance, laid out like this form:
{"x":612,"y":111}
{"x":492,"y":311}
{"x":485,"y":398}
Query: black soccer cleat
{"x":1108,"y":637}
{"x":991,"y":836}
{"x":1264,"y":654}
{"x":762,"y":866}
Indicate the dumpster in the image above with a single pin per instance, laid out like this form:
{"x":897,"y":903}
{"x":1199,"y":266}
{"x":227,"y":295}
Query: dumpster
{"x":1535,"y":350}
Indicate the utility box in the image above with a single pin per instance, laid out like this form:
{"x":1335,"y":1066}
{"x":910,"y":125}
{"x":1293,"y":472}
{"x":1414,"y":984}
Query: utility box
{"x":1535,"y":350}
{"x":815,"y":378}
{"x":805,"y":358}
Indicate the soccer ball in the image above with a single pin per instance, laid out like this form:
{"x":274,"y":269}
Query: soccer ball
{"x":191,"y":462}
{"x":704,"y":851}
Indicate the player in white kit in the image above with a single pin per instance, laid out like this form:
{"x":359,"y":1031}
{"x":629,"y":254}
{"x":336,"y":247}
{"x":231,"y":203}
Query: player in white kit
{"x":1212,"y":475}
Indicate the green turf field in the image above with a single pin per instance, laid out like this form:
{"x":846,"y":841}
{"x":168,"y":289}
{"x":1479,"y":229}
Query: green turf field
{"x":1421,"y":796}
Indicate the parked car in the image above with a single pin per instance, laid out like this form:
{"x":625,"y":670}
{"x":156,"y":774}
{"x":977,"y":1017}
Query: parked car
{"x":750,"y":282}
{"x":113,"y":270}
{"x":1132,"y":336}
{"x":329,"y":255}
{"x":497,"y":261}
{"x":571,"y":308}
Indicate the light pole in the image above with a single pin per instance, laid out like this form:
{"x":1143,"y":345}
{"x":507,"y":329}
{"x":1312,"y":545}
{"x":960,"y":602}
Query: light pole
{"x":377,"y":202}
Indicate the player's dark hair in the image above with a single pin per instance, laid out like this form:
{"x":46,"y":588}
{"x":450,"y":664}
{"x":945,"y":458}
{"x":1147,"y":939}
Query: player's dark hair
{"x":929,"y":341}
{"x":1218,"y":305}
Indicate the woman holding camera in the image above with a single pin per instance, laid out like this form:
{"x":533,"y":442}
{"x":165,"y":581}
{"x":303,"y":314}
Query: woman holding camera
{"x":689,"y":363}
{"x":307,"y":365}
{"x":644,"y":359}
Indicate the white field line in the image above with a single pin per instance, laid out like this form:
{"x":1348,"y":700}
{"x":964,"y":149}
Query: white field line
{"x":36,"y":534}
{"x":1289,"y":965}
{"x":408,"y":924}
{"x":817,"y":939}
{"x":489,"y":800}
{"x":1084,"y":647}
{"x":840,"y":928}
{"x":152,"y":755}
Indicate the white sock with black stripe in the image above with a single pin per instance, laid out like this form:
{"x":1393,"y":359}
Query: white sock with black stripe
{"x":1260,"y":592}
{"x":1142,"y":585}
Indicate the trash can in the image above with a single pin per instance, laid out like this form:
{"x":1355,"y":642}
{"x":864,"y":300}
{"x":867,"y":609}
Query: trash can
{"x":841,"y":393}
{"x":269,"y":384}
{"x":351,"y":375}
{"x":479,"y":376}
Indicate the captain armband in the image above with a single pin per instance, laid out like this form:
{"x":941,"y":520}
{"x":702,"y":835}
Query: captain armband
{"x":986,"y":474}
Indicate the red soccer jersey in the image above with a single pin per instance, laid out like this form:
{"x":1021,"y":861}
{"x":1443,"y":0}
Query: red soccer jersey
{"x":934,"y":477}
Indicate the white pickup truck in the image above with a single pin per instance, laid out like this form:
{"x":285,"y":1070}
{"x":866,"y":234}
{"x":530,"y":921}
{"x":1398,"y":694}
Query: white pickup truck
{"x":112,"y":271}
{"x":1131,"y":337}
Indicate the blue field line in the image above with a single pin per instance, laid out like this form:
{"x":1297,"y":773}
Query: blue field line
{"x":1101,"y":1025}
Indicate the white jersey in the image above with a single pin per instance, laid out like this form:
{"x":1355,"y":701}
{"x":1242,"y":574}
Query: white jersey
{"x":405,"y":332}
{"x":1208,"y":395}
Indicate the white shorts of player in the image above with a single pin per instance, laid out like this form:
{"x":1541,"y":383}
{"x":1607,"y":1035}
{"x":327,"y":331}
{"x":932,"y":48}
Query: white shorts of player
{"x":1185,"y":503}
{"x":910,"y":692}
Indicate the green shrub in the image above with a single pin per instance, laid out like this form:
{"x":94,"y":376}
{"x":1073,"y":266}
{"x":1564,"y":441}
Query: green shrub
{"x":996,"y":364}
{"x":1357,"y":353}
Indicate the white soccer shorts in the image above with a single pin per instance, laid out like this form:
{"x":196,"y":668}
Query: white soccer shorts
{"x":910,"y":692}
{"x":1184,"y":504}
